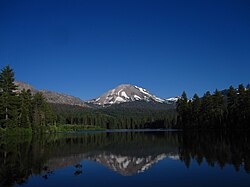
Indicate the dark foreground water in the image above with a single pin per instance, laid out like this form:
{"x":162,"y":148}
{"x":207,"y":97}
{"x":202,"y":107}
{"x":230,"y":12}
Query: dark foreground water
{"x":127,"y":159}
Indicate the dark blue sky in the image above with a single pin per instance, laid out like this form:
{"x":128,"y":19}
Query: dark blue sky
{"x":84,"y":48}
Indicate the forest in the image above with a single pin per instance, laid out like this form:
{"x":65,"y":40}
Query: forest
{"x":227,"y":109}
{"x":115,"y":118}
{"x":21,"y":109}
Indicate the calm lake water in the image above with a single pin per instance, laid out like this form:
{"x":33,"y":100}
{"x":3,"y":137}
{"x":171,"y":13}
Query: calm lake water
{"x":127,"y":159}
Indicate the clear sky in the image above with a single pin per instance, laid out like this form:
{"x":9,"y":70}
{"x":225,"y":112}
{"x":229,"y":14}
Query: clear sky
{"x":83,"y":48}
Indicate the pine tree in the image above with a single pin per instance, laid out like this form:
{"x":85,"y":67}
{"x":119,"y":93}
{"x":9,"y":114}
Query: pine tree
{"x":248,"y":107}
{"x":25,"y":109}
{"x":232,"y":105}
{"x":43,"y":114}
{"x":183,"y":110}
{"x":8,"y":98}
{"x":248,"y":86}
{"x":206,"y":108}
{"x":241,"y":109}
{"x":218,"y":108}
{"x":196,"y":108}
{"x":38,"y":113}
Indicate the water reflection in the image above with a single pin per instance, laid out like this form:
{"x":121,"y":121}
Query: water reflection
{"x":127,"y":153}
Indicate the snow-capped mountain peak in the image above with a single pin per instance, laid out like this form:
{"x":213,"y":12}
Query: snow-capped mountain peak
{"x":125,"y":93}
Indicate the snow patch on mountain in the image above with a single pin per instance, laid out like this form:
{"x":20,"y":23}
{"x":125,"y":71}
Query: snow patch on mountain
{"x":144,"y":91}
{"x":119,"y":99}
{"x":137,"y":97}
{"x":125,"y":95}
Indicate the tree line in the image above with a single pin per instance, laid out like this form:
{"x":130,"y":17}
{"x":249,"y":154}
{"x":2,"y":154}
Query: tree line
{"x":114,"y":118}
{"x":222,"y":109}
{"x":22,"y":108}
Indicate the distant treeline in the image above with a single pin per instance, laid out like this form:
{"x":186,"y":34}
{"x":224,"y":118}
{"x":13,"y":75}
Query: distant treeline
{"x":216,"y":111}
{"x":114,"y":118}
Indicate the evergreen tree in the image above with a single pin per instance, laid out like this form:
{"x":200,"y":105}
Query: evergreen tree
{"x":247,"y":107}
{"x":218,"y":108}
{"x":206,"y":108}
{"x":183,"y":109}
{"x":42,"y":112}
{"x":248,"y":86}
{"x":196,"y":107}
{"x":241,"y":100}
{"x":232,"y":105}
{"x":25,"y":109}
{"x":38,"y":112}
{"x":8,"y":98}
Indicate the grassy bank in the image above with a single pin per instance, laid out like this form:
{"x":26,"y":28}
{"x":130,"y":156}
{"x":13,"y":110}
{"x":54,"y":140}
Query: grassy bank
{"x":71,"y":128}
{"x":18,"y":131}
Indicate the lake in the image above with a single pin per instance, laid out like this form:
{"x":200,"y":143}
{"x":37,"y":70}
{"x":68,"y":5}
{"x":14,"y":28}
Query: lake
{"x":121,"y":158}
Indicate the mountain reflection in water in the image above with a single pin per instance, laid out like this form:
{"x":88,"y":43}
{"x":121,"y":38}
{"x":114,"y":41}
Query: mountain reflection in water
{"x":127,"y":153}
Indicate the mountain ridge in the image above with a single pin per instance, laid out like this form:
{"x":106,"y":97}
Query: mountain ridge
{"x":124,"y":93}
{"x":53,"y":97}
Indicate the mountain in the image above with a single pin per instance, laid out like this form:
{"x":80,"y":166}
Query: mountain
{"x":125,"y":93}
{"x":25,"y":86}
{"x":52,"y":97}
{"x":125,"y":96}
